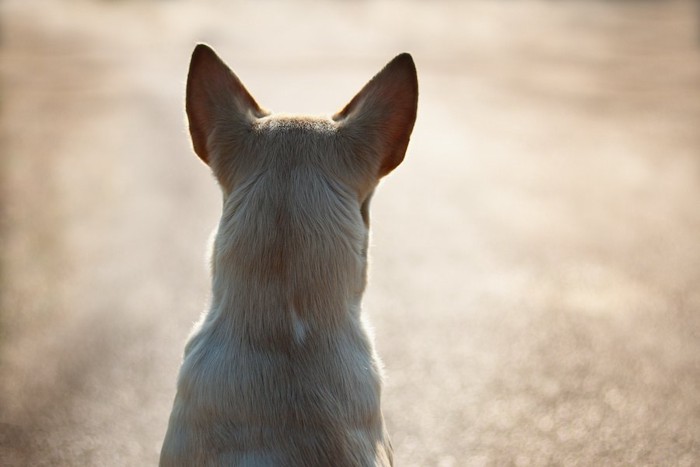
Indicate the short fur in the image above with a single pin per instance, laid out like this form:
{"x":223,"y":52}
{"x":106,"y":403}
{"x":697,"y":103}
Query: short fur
{"x":281,"y":371}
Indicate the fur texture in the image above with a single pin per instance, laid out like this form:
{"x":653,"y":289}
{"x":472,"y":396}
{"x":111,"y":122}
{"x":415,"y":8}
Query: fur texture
{"x":281,"y":370}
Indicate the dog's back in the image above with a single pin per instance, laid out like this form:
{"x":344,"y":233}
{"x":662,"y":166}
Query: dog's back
{"x":281,"y":370}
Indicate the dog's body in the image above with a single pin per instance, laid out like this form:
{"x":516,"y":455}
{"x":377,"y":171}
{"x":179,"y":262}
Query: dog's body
{"x":281,"y":370}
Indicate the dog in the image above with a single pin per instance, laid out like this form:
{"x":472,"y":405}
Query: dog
{"x":281,"y":370}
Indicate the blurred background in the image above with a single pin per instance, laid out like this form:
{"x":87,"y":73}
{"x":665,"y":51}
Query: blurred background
{"x":535,"y":273}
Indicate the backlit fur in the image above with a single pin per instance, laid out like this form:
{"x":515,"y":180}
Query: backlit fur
{"x":281,"y":370}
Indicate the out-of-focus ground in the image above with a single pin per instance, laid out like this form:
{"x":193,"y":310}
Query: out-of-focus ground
{"x":535,"y":276}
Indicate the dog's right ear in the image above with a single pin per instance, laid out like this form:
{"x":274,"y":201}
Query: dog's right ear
{"x":215,"y":97}
{"x":382,"y":115}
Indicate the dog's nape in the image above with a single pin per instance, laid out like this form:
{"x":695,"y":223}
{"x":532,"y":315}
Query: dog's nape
{"x":377,"y":123}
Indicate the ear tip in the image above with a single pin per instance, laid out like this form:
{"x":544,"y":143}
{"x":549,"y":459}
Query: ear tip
{"x":404,"y":60}
{"x":404,"y":65}
{"x":405,"y":57}
{"x":202,"y":47}
{"x":202,"y":50}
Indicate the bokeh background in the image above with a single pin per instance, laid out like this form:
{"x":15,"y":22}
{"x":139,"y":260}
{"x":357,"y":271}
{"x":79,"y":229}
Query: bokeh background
{"x":535,"y":273}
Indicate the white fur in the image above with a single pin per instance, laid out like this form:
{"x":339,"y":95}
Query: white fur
{"x":299,"y":328}
{"x":281,"y":370}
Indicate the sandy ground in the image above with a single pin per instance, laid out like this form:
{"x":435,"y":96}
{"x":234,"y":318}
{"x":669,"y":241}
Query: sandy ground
{"x":535,"y":277}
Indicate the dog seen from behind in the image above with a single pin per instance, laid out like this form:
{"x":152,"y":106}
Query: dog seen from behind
{"x":281,"y":370}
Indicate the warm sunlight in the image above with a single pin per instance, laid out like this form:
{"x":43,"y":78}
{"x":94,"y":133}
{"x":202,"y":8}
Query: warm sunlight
{"x":533,"y":262}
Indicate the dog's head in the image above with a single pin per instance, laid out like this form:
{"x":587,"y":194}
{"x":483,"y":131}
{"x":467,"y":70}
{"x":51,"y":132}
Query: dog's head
{"x":370,"y":135}
{"x":297,"y":184}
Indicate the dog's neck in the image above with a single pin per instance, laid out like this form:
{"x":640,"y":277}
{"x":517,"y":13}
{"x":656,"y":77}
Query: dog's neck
{"x":280,"y":276}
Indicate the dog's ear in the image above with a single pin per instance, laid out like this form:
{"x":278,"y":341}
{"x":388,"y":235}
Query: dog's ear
{"x":381,"y":116}
{"x":215,"y":96}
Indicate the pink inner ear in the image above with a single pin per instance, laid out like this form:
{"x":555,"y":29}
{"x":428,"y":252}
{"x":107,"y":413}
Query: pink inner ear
{"x":200,"y":120}
{"x":213,"y":93}
{"x":384,"y":112}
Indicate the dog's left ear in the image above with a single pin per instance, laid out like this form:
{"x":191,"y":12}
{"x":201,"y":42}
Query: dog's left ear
{"x":381,"y":116}
{"x":216,"y":98}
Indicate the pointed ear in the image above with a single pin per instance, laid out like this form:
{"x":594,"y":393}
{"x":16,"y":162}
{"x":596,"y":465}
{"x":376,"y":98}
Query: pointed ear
{"x":215,"y":96}
{"x":382,"y":114}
